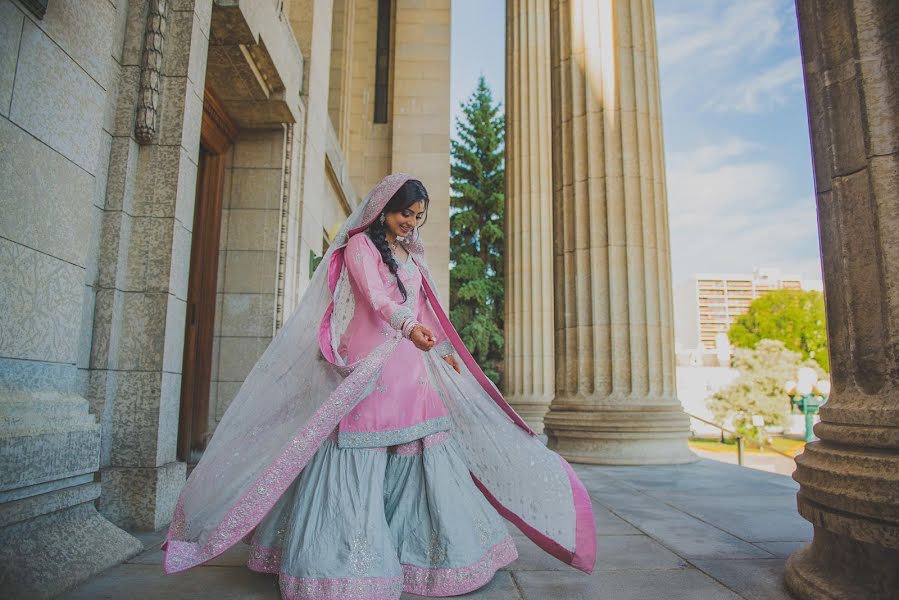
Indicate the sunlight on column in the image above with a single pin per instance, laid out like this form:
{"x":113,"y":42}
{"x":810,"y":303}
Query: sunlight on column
{"x":593,"y":42}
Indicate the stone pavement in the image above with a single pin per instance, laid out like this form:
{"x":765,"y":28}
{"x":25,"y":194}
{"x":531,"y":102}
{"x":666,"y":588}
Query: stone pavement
{"x":768,"y":461}
{"x":703,"y":531}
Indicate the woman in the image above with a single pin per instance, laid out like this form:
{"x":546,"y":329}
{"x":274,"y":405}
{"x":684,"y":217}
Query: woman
{"x":370,"y":455}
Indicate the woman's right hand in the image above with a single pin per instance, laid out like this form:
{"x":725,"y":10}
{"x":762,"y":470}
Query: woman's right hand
{"x":423,"y":338}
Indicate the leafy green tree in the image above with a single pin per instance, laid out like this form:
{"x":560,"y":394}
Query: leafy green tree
{"x":758,"y":390}
{"x":477,"y":292}
{"x":794,"y":317}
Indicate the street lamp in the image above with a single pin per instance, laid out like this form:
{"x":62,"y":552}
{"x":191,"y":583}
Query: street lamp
{"x":807,"y":395}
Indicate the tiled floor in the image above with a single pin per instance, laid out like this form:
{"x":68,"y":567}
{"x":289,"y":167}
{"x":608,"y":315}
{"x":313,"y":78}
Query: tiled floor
{"x":703,"y":531}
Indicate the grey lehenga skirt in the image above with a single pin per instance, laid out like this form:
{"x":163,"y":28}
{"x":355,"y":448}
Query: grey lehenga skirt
{"x":371,"y":523}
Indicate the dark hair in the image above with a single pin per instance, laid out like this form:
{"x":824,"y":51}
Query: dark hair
{"x":409,"y":193}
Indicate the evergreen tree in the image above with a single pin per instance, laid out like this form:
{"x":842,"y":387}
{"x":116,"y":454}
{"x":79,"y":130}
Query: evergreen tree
{"x":477,"y":293}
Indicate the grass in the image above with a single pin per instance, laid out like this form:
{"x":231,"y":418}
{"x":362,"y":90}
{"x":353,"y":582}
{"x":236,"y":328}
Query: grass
{"x":786,"y":445}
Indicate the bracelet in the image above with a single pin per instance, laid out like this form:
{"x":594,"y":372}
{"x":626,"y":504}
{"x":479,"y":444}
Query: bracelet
{"x":409,"y":326}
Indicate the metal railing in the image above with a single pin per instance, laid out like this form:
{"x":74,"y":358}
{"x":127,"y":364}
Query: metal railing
{"x":740,"y":442}
{"x":737,"y":436}
{"x":739,"y":439}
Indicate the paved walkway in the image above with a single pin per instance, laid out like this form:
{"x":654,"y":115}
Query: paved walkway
{"x":768,"y":461}
{"x":704,"y":531}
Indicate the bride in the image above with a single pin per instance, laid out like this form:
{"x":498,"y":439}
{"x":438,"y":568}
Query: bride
{"x":367,"y":454}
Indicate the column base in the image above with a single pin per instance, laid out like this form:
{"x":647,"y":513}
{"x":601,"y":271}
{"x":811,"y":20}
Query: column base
{"x":141,"y":498}
{"x":848,"y":493}
{"x":834,"y":567}
{"x":43,"y":557}
{"x":609,"y":435}
{"x":532,"y":409}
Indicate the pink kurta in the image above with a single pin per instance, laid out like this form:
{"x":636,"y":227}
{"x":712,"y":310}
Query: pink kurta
{"x":401,"y":405}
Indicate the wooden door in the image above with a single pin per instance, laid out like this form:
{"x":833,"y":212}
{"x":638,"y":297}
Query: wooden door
{"x":216,"y":136}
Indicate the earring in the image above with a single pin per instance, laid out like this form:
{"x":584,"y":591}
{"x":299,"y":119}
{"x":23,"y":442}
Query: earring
{"x":382,"y":219}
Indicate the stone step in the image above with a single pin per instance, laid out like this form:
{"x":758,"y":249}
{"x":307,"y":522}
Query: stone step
{"x":33,"y":456}
{"x":29,"y":413}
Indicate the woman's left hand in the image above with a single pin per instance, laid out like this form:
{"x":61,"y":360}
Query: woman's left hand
{"x":451,"y":361}
{"x":423,"y":338}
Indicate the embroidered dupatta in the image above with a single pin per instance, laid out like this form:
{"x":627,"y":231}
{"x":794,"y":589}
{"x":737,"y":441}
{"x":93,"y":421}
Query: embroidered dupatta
{"x":301,"y":388}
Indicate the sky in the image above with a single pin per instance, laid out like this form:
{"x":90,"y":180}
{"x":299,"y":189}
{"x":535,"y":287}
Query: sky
{"x":739,"y":175}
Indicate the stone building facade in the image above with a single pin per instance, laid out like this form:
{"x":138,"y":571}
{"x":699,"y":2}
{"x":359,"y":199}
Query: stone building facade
{"x":170,"y":170}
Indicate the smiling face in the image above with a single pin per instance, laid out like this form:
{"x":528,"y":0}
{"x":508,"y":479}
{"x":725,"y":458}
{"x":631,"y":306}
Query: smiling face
{"x":402,"y":222}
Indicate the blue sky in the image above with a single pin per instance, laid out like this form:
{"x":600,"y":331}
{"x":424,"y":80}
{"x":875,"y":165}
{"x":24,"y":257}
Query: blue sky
{"x":740,"y":191}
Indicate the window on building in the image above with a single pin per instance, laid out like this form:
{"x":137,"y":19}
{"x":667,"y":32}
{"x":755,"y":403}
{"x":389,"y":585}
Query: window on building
{"x":382,"y":61}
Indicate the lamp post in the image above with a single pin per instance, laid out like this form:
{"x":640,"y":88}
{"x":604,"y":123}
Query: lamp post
{"x":807,"y":395}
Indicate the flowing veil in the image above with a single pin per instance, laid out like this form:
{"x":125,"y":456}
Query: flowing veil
{"x":299,"y":390}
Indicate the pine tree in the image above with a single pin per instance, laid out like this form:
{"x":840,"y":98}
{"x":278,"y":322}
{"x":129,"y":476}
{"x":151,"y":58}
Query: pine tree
{"x":477,"y":293}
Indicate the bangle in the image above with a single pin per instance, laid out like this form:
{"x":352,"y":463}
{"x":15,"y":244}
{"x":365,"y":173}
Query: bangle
{"x":409,"y":326}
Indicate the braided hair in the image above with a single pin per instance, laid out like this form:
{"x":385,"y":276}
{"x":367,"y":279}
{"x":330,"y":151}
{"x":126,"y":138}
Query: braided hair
{"x":409,"y":193}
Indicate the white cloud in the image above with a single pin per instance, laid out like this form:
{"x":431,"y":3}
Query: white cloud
{"x":742,"y":29}
{"x":729,"y":212}
{"x":769,"y":89}
{"x":734,"y":56}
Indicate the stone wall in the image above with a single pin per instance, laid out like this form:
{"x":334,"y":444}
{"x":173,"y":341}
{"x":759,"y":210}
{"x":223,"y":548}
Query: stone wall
{"x":420,"y":115}
{"x":96,"y":236}
{"x":59,"y":81}
{"x":369,"y":142}
{"x":144,"y":258}
{"x":248,"y":262}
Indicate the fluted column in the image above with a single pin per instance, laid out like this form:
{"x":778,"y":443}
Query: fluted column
{"x":529,"y":280}
{"x":615,"y":391}
{"x":849,"y":480}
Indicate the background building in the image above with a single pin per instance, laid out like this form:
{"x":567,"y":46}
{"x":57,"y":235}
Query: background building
{"x":706,"y":305}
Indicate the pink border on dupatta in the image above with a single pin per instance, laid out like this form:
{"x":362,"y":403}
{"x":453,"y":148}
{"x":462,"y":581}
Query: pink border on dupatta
{"x":261,"y":495}
{"x":584,"y":555}
{"x":469,"y":360}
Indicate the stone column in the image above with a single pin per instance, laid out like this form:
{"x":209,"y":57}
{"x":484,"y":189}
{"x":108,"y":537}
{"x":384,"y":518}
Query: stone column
{"x":529,"y":292}
{"x":849,"y":480}
{"x":420,"y":114}
{"x":615,"y":397}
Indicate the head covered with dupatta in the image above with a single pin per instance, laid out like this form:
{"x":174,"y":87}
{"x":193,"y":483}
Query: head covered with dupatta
{"x":300,"y":389}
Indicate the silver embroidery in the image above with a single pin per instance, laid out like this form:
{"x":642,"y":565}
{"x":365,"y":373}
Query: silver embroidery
{"x":400,"y":315}
{"x":484,"y":531}
{"x":362,"y":555}
{"x":392,"y":437}
{"x":346,"y":589}
{"x":436,"y":551}
{"x":249,"y":510}
{"x":459,"y":580}
{"x":443,"y":348}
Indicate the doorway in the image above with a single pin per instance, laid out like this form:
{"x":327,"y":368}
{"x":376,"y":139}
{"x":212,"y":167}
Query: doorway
{"x":217,"y":135}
